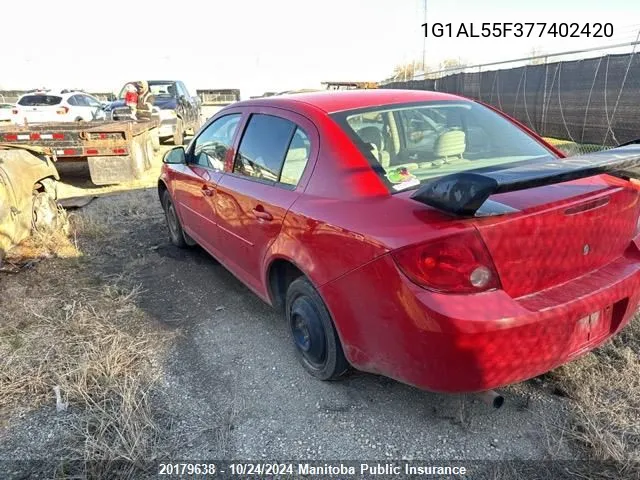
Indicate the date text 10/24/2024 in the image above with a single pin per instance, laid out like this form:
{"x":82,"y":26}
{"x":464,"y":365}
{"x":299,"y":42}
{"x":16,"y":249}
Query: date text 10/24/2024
{"x":286,"y":469}
{"x":518,"y":30}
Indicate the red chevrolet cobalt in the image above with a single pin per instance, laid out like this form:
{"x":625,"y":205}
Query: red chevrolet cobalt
{"x":413,"y":234}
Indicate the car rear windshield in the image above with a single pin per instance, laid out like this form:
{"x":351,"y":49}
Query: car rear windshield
{"x":39,"y":100}
{"x":410,"y":144}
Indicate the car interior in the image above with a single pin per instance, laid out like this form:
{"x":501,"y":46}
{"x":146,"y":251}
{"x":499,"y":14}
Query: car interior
{"x":431,"y":141}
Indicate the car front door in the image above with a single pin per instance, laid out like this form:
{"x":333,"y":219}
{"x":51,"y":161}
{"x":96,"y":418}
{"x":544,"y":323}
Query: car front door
{"x":268,"y":173}
{"x":95,"y":107}
{"x":195,"y":182}
{"x":185,"y":100}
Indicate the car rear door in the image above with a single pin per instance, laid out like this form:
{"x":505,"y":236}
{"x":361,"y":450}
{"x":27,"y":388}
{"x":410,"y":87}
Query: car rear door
{"x":195,"y":184}
{"x":267,"y":176}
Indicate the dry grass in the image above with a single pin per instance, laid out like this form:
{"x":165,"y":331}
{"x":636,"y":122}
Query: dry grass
{"x":64,"y":327}
{"x":605,"y":389}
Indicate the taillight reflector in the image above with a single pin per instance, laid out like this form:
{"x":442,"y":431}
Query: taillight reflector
{"x":92,"y":151}
{"x":459,"y":263}
{"x":68,"y":151}
{"x":58,"y":136}
{"x":10,"y":137}
{"x":119,"y":151}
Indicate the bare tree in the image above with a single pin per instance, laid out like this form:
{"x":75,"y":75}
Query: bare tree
{"x":452,"y":64}
{"x":536,"y":52}
{"x":407,"y":71}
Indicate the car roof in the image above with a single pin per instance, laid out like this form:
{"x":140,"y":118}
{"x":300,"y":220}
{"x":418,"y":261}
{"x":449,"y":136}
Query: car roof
{"x":57,"y":93}
{"x":341,"y":100}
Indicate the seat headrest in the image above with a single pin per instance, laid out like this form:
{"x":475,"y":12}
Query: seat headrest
{"x":450,"y":143}
{"x":371,"y":135}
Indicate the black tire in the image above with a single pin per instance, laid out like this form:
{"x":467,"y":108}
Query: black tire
{"x":177,"y":235}
{"x":178,"y":135}
{"x":314,"y":336}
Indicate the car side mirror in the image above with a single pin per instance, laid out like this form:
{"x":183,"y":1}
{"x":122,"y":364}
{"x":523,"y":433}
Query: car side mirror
{"x":175,"y":156}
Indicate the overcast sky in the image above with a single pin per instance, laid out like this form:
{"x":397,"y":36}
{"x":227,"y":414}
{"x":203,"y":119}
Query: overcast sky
{"x":261,"y":45}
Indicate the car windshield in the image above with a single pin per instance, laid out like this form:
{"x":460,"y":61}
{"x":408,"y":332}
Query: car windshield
{"x":39,"y":100}
{"x":409,"y":144}
{"x":160,"y":89}
{"x":163,"y":89}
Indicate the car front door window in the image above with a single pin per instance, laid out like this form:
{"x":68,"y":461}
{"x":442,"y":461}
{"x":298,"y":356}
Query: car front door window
{"x":211,"y":147}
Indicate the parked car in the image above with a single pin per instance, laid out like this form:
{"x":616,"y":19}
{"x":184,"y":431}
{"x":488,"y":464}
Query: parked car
{"x":5,"y":112}
{"x":179,"y":112}
{"x":413,"y":234}
{"x":60,"y":106}
{"x":28,"y":193}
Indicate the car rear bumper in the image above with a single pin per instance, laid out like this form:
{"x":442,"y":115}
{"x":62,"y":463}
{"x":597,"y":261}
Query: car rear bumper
{"x":167,"y":127}
{"x":467,"y":343}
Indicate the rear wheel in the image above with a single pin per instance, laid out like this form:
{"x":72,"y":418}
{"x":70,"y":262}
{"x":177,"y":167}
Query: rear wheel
{"x":314,"y":336}
{"x":176,"y":234}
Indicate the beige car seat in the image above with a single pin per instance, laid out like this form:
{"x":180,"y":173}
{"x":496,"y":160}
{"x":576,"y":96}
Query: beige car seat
{"x":450,"y":145}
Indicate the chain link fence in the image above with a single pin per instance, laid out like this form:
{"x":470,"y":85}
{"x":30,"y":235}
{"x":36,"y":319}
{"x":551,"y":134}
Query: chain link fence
{"x":580,"y":105}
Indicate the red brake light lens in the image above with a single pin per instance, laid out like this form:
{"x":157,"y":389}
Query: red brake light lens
{"x":458,"y":263}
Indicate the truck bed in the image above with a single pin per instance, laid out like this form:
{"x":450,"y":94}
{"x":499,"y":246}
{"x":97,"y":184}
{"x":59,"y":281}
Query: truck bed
{"x":77,"y":139}
{"x":115,"y":150}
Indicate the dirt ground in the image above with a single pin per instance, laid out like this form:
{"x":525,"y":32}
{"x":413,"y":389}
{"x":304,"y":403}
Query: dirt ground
{"x":223,"y":381}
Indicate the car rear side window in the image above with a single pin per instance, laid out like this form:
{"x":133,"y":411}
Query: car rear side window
{"x":296,"y":159}
{"x":263,"y":147}
{"x":39,"y":100}
{"x":213,"y":143}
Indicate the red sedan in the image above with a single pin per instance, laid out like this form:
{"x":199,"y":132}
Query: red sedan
{"x":413,"y":234}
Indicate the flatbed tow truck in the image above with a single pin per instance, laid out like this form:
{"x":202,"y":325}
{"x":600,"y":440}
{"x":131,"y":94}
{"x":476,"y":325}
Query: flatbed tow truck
{"x":116,"y":150}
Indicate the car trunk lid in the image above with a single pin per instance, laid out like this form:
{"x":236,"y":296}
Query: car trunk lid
{"x":549,"y":221}
{"x":588,"y":225}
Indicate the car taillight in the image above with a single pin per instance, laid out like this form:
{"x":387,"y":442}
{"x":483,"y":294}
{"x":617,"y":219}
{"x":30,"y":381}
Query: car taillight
{"x":62,"y":110}
{"x":459,"y":263}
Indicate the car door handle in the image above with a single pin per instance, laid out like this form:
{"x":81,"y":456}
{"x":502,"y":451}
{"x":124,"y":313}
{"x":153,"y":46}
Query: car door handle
{"x":261,"y":214}
{"x":207,"y":191}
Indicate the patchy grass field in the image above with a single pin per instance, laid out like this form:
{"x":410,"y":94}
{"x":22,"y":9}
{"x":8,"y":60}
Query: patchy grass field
{"x":161,"y":353}
{"x":604,"y":388}
{"x":74,"y":339}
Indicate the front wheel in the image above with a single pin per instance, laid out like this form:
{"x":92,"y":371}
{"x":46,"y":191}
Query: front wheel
{"x":46,"y":216}
{"x":314,"y":336}
{"x":177,"y":235}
